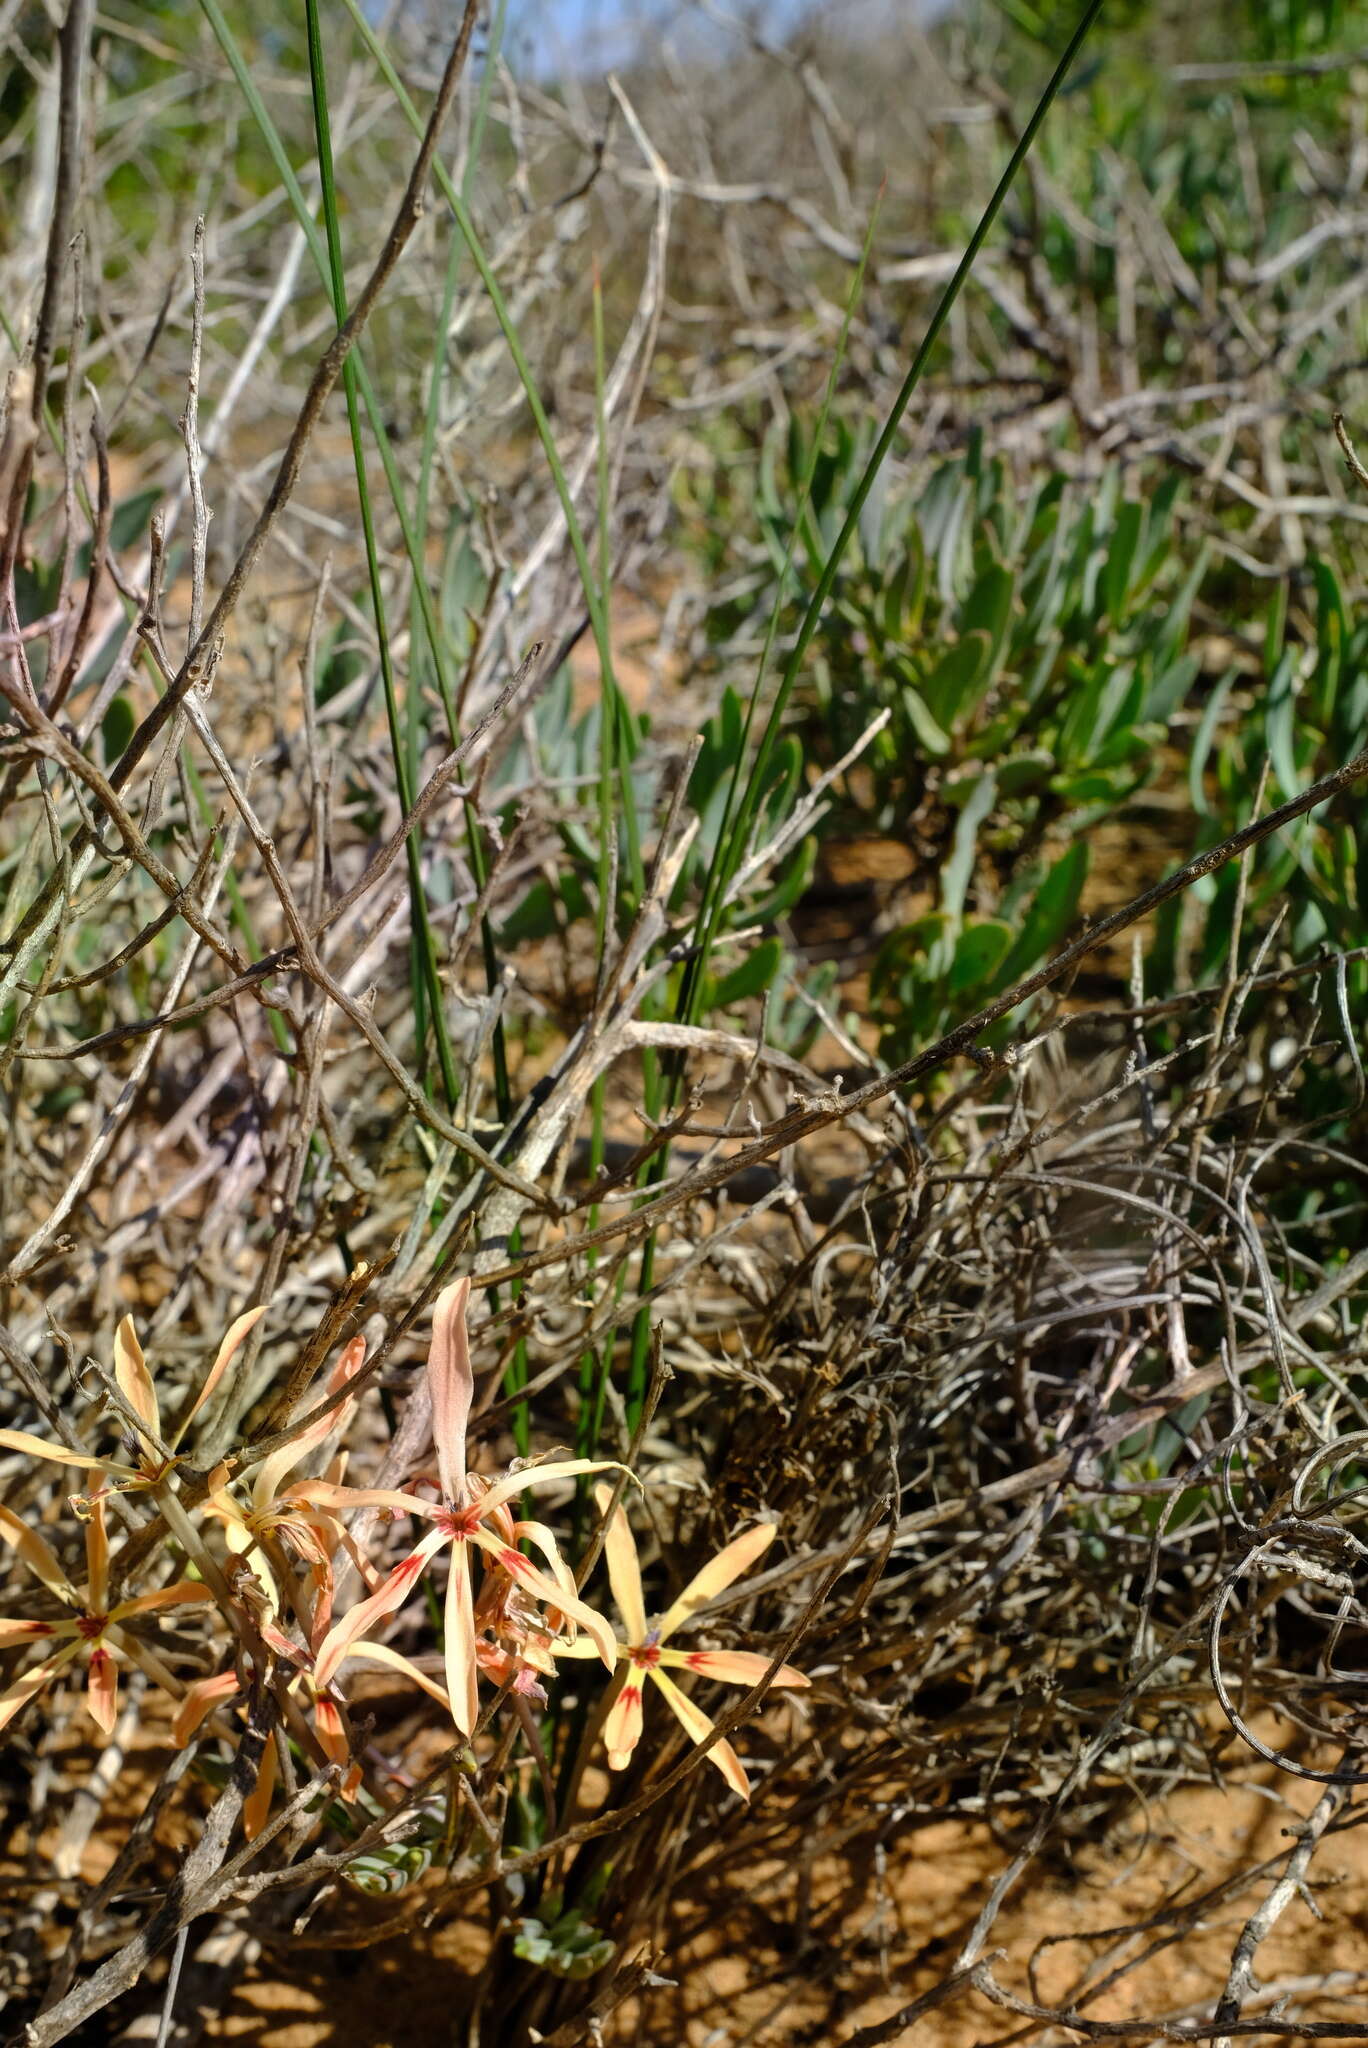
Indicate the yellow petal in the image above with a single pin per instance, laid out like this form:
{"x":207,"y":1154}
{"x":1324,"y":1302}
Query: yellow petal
{"x":738,"y":1557}
{"x":256,"y":1808}
{"x":41,"y":1561}
{"x":381,"y":1653}
{"x":56,"y":1454}
{"x":135,"y":1381}
{"x":97,"y":1557}
{"x":24,"y":1687}
{"x":236,"y":1332}
{"x":522,"y":1570}
{"x":459,"y":1643}
{"x":102,"y":1689}
{"x":624,"y":1569}
{"x":391,"y":1593}
{"x":514,"y":1483}
{"x":267,"y":1483}
{"x":697,"y":1725}
{"x":199,"y":1702}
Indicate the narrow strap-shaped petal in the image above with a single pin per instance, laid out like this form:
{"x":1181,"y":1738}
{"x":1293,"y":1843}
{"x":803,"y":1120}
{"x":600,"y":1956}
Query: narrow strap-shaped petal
{"x":14,"y":1631}
{"x":697,"y":1725}
{"x":41,"y":1560}
{"x":391,"y":1593}
{"x":451,"y":1384}
{"x":58,"y":1454}
{"x":135,"y":1381}
{"x":514,"y":1483}
{"x":737,"y":1557}
{"x":184,"y":1593}
{"x":256,"y":1807}
{"x":237,"y":1330}
{"x":538,"y":1534}
{"x":332,"y":1736}
{"x":17,"y":1696}
{"x":199,"y":1702}
{"x":459,"y":1643}
{"x":522,"y":1570}
{"x":97,"y":1558}
{"x":622,"y":1729}
{"x":583,"y":1649}
{"x":624,"y":1570}
{"x":268,"y":1480}
{"x":102,"y":1689}
{"x":320,"y":1493}
{"x":733,"y":1667}
{"x":381,"y":1653}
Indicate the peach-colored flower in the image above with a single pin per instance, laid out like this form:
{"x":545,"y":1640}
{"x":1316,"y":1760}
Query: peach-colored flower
{"x":644,"y":1653}
{"x":287,"y":1512}
{"x":94,"y":1624}
{"x":467,"y":1517}
{"x":154,"y":1458}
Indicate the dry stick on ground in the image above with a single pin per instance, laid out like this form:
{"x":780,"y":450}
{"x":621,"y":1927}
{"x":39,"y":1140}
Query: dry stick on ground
{"x":1240,"y":1982}
{"x":1164,"y":2030}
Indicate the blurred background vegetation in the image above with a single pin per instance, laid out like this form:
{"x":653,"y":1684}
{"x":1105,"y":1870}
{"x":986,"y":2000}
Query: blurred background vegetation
{"x":1102,"y":605}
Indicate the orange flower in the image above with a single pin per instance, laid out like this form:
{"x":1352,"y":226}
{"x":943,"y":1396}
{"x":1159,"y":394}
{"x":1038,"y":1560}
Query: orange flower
{"x":94,"y":1625}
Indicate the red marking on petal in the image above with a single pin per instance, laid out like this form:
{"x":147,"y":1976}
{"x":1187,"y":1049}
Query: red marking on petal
{"x":92,"y":1626}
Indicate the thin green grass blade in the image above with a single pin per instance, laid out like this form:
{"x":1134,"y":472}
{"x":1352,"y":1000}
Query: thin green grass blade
{"x":422,"y":936}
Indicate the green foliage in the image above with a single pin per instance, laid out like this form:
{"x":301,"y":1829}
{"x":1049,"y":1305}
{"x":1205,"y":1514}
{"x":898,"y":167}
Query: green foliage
{"x":391,"y":1868}
{"x":1029,"y":658}
{"x":1306,"y":715}
{"x":562,"y":1941}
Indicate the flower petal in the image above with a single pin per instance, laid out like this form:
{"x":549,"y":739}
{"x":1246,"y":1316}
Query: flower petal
{"x":41,"y":1561}
{"x":256,"y":1807}
{"x":514,"y":1483}
{"x":459,"y":1643}
{"x":319,"y":1493}
{"x":184,"y":1593}
{"x":733,"y":1667}
{"x":19,"y":1694}
{"x":97,"y":1557}
{"x":56,"y":1454}
{"x":622,"y":1729}
{"x":135,"y":1381}
{"x":524,"y":1573}
{"x":237,"y":1330}
{"x":332,"y":1736}
{"x":15,"y":1631}
{"x":268,"y":1480}
{"x":451,"y":1384}
{"x":737,"y":1557}
{"x":381,"y":1653}
{"x":391,"y":1593}
{"x":624,"y":1570}
{"x":697,"y":1725}
{"x":199,"y":1702}
{"x":583,"y":1649}
{"x":102,"y":1689}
